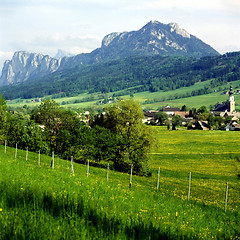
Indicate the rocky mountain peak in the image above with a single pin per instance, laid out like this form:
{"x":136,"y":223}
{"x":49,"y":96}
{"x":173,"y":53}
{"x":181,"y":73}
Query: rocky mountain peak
{"x":109,"y":38}
{"x":154,"y":38}
{"x":174,"y":27}
{"x":25,"y":65}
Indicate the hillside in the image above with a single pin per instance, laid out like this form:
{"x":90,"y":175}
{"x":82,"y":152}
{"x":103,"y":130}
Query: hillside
{"x":41,"y":201}
{"x":152,"y":74}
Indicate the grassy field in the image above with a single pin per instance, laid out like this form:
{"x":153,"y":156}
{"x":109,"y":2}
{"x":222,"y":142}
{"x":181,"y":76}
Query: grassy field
{"x":196,"y":101}
{"x":38,"y":202}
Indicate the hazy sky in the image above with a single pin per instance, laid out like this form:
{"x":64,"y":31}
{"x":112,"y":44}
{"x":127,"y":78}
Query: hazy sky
{"x":76,"y":26}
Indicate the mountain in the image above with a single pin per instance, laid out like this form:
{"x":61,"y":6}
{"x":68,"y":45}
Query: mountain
{"x":24,"y":66}
{"x":154,"y":38}
{"x":133,"y":74}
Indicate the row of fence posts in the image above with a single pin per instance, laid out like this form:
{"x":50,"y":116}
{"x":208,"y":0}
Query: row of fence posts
{"x":189,"y":187}
{"x":131,"y":173}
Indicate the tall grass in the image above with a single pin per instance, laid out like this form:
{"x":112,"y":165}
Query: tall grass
{"x":44,"y":203}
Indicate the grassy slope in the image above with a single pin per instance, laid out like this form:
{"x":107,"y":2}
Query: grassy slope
{"x":36,"y":202}
{"x":196,"y":101}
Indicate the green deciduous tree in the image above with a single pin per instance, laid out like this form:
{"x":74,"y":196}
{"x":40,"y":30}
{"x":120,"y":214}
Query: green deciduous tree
{"x":3,"y":117}
{"x":125,"y":120}
{"x":202,"y":109}
{"x":25,"y":133}
{"x":102,"y":144}
{"x":176,"y":121}
{"x":48,"y":114}
{"x":72,"y":136}
{"x":161,"y":117}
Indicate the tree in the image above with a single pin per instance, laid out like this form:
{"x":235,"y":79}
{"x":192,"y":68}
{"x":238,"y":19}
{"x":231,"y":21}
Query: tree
{"x":184,"y":108}
{"x":211,"y":120}
{"x":15,"y":130}
{"x":25,"y":133}
{"x":72,"y":136}
{"x":176,"y":121}
{"x":48,"y":114}
{"x":3,"y":117}
{"x":102,"y":144}
{"x":161,"y":117}
{"x":192,"y":112}
{"x":125,"y":120}
{"x":202,"y":109}
{"x":219,"y":122}
{"x":228,"y":119}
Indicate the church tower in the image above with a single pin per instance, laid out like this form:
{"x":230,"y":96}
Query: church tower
{"x":231,"y":102}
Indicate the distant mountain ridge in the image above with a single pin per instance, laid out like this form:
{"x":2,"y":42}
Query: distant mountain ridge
{"x":25,"y":65}
{"x":154,"y":38}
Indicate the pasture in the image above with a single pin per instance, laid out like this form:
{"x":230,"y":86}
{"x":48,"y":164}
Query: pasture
{"x":38,"y":202}
{"x":141,"y":97}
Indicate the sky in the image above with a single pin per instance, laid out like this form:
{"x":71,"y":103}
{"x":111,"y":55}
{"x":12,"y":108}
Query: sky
{"x":77,"y":26}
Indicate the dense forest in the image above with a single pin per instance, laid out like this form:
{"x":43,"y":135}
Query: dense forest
{"x":140,"y":73}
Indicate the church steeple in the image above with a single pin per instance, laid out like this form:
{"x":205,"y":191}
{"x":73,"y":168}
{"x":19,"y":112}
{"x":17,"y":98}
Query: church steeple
{"x":231,"y":102}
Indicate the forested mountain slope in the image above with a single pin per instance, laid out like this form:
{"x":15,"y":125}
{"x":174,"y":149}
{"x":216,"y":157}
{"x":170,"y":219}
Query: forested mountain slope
{"x":151,"y":73}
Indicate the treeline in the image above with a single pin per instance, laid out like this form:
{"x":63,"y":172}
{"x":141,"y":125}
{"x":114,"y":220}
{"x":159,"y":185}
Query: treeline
{"x":117,"y":137}
{"x":152,"y":73}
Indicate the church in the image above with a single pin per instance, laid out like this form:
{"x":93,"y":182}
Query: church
{"x":227,"y":108}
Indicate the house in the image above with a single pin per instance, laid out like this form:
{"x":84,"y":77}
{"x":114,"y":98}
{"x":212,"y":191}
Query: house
{"x":170,"y":110}
{"x":183,"y":114}
{"x":149,"y":116}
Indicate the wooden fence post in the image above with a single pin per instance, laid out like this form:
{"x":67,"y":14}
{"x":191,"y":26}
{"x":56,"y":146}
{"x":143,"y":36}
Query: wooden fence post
{"x":72,"y":165}
{"x":189,"y":185}
{"x":52,"y":164}
{"x":16,"y":151}
{"x":107,"y":171}
{"x":130,"y":183}
{"x":88,"y":168}
{"x":27,"y":154}
{"x":158,"y":179}
{"x":226,"y":197}
{"x":39,"y":158}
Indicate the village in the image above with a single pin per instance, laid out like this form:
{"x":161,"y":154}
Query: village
{"x":223,"y":117}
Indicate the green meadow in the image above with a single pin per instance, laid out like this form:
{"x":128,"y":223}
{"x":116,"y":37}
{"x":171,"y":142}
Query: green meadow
{"x":158,"y":99}
{"x":38,"y":202}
